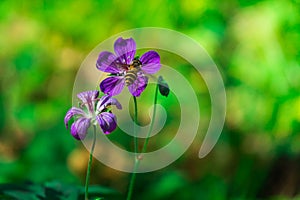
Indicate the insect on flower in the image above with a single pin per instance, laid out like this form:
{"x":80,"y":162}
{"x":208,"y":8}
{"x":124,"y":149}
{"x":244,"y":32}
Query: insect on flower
{"x":132,"y":73}
{"x":93,"y":110}
{"x":125,"y":69}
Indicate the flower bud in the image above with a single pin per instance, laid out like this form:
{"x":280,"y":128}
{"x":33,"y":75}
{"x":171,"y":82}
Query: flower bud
{"x":163,"y":86}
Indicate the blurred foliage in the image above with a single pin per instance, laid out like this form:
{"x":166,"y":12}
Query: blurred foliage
{"x":52,"y":191}
{"x":256,"y":45}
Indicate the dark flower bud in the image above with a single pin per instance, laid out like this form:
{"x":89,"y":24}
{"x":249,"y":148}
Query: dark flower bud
{"x":163,"y":86}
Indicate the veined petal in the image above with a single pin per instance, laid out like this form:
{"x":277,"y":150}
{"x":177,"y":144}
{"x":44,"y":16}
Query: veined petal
{"x":107,"y":100}
{"x":106,"y":62}
{"x":73,"y":111}
{"x":125,"y":50}
{"x":112,"y":85}
{"x":139,"y":85}
{"x":88,"y":96}
{"x":79,"y":128}
{"x":88,"y":99}
{"x":107,"y":122}
{"x":150,"y":62}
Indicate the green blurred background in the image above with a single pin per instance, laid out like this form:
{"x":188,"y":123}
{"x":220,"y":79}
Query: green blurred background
{"x":256,"y":45}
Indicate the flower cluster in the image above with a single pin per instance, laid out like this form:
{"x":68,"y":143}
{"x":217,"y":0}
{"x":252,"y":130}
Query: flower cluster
{"x":124,"y":70}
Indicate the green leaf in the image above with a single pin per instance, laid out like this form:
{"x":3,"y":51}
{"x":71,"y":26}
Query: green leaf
{"x":22,"y":191}
{"x":61,"y":191}
{"x":97,"y":189}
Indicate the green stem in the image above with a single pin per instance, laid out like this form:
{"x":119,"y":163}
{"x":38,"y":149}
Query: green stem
{"x":152,"y":121}
{"x":130,"y":190}
{"x":87,"y":179}
{"x":134,"y":125}
{"x":135,"y":140}
{"x":137,"y":160}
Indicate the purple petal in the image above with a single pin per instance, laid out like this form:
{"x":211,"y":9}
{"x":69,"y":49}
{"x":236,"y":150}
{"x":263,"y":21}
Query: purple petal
{"x":139,"y":85}
{"x":125,"y":50}
{"x":79,"y":128}
{"x":107,"y":122}
{"x":112,"y":85}
{"x":103,"y":102}
{"x":106,"y":62}
{"x":88,"y":96}
{"x":88,"y":99}
{"x":107,"y":100}
{"x":73,"y":111}
{"x":150,"y":62}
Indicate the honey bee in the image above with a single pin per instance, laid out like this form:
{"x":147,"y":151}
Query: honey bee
{"x":131,"y":73}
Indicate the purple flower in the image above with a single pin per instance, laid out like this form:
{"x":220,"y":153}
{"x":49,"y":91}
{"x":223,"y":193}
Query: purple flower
{"x":125,"y":69}
{"x":96,"y":111}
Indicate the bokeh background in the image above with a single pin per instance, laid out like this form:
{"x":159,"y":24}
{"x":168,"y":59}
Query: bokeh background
{"x":256,"y":45}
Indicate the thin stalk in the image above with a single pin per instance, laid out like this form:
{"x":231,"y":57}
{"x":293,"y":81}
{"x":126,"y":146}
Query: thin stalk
{"x":87,"y":179}
{"x":134,"y":125}
{"x":152,"y":121}
{"x":132,"y":180}
{"x":137,"y":161}
{"x":135,"y":140}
